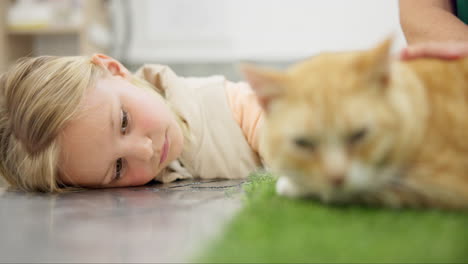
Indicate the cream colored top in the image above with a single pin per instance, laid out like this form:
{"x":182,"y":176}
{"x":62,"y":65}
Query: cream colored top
{"x":216,"y":146}
{"x":247,"y":112}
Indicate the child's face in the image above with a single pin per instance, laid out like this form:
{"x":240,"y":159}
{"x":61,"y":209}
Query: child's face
{"x":124,"y":136}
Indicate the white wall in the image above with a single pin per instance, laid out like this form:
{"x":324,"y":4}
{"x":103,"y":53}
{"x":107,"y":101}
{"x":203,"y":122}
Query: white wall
{"x":226,"y":30}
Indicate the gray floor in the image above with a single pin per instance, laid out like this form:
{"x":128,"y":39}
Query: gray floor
{"x":156,"y":223}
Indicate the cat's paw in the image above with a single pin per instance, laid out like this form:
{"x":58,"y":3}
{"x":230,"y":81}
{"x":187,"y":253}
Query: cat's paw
{"x":285,"y":187}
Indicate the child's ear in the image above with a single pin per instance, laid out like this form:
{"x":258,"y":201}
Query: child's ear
{"x":267,"y":84}
{"x":112,"y":65}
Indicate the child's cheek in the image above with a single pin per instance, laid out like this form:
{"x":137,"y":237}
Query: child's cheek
{"x":152,"y":118}
{"x":148,"y":122}
{"x":139,"y":176}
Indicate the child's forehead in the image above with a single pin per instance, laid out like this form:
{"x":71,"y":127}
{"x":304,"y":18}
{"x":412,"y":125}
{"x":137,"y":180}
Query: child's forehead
{"x":103,"y":88}
{"x":94,"y":99}
{"x":87,"y":138}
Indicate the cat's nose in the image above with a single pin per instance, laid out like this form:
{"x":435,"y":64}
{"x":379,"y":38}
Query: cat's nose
{"x":337,"y":180}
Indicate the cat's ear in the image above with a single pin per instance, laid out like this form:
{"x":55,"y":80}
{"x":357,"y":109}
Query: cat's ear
{"x":377,"y":61}
{"x":267,"y":84}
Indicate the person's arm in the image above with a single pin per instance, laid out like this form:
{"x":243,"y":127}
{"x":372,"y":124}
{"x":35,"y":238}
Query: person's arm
{"x":440,"y":50}
{"x":431,"y":20}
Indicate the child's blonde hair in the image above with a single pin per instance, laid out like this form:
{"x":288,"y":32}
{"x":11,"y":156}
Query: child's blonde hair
{"x":38,"y":96}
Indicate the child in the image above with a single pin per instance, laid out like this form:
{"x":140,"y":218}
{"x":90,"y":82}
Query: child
{"x":88,"y":122}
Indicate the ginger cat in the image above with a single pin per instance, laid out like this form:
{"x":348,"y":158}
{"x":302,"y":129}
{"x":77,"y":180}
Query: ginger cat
{"x":363,"y":127}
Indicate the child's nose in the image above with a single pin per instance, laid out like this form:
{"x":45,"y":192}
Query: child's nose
{"x":143,"y":149}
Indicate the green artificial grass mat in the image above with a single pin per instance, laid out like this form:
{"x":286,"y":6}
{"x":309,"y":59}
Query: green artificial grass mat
{"x":274,"y":229}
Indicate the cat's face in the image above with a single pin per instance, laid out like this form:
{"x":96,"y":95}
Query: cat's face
{"x":328,"y":121}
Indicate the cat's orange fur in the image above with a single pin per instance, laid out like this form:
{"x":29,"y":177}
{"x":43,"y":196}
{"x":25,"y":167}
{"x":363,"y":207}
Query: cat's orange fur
{"x":363,"y":127}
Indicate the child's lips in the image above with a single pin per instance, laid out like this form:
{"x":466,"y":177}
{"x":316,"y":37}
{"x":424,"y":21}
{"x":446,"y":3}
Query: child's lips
{"x":164,"y":150}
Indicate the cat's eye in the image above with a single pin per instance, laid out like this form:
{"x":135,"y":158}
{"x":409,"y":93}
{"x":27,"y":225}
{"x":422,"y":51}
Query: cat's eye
{"x":305,"y":143}
{"x":357,"y":136}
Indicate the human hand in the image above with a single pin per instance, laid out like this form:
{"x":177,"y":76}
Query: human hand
{"x":439,"y":50}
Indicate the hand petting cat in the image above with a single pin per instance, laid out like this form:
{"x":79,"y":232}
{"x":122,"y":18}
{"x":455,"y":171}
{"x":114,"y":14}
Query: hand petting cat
{"x":439,"y":50}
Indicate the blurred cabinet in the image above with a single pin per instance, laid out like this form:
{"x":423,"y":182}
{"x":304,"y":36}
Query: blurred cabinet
{"x":17,"y":42}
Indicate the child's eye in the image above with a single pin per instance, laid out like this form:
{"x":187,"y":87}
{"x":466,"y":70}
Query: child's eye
{"x":118,"y":169}
{"x":124,"y":122}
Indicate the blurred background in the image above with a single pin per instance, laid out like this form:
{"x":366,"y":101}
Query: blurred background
{"x":194,"y":37}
